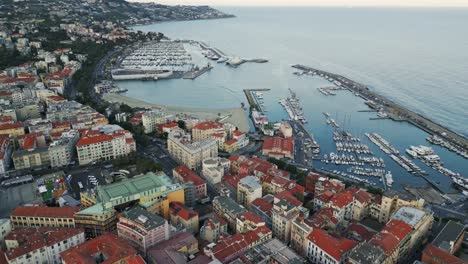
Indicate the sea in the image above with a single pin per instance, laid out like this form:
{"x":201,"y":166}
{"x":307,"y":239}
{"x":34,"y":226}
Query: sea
{"x":417,"y":57}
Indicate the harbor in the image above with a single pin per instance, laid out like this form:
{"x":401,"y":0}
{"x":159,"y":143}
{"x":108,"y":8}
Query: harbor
{"x":292,"y":106}
{"x":394,"y":111}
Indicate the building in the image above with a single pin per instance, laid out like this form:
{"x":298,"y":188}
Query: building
{"x":5,"y":153}
{"x":141,"y":228}
{"x":242,"y":139}
{"x":41,"y":216}
{"x":183,"y":217}
{"x":342,"y":204}
{"x":420,"y":222}
{"x":392,"y":201}
{"x":286,"y":130}
{"x":213,"y":169}
{"x":286,"y":209}
{"x":96,"y":220}
{"x":204,"y":130}
{"x":366,"y":253}
{"x":184,"y":174}
{"x":301,"y":228}
{"x":450,"y":237}
{"x":361,"y":205}
{"x":229,"y":248}
{"x":248,"y":189}
{"x":263,"y":207}
{"x":326,"y":249}
{"x":62,"y":150}
{"x":273,"y":251}
{"x":108,"y":248}
{"x":5,"y":228}
{"x":42,"y":244}
{"x":277,"y":147}
{"x":227,"y":209}
{"x":213,"y":228}
{"x":95,"y":146}
{"x":231,"y":145}
{"x":152,"y":191}
{"x":394,"y":240}
{"x":173,"y":251}
{"x":434,"y":255}
{"x":189,"y":153}
{"x":248,"y":221}
{"x":151,"y":119}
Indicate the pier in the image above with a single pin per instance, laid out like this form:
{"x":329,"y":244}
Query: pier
{"x":192,"y":75}
{"x":395,"y":111}
{"x":250,"y":98}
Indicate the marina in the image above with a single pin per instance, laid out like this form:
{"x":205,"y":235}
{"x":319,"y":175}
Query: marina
{"x":329,"y":90}
{"x":293,"y":107}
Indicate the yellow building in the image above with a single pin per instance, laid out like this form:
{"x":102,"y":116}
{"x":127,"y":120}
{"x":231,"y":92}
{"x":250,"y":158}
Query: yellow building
{"x":14,"y":129}
{"x":96,"y":220}
{"x":37,"y":216}
{"x":204,"y":130}
{"x":189,"y":153}
{"x":392,"y":201}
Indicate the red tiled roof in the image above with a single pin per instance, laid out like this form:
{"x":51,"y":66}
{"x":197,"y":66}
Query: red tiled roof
{"x":360,"y":230}
{"x":5,"y":119}
{"x":189,"y":175}
{"x":169,"y":125}
{"x":60,"y":124}
{"x":335,"y":247}
{"x":390,"y":237}
{"x":29,"y":142}
{"x":263,"y":205}
{"x":287,"y":196}
{"x":434,"y":255}
{"x":179,"y":210}
{"x":110,"y":245}
{"x":43,"y":211}
{"x":341,"y":200}
{"x":135,"y":260}
{"x":93,"y":140}
{"x":30,"y":239}
{"x":56,"y":98}
{"x":249,"y":216}
{"x":208,"y":125}
{"x":11,"y":125}
{"x":278,"y":143}
{"x":237,"y":133}
{"x":218,"y":135}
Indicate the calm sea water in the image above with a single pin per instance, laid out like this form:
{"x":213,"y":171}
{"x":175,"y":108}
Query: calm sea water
{"x":417,"y":57}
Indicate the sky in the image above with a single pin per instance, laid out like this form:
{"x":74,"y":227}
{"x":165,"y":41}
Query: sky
{"x":403,"y":3}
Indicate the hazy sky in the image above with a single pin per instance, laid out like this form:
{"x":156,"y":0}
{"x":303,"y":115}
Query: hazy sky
{"x":431,"y":3}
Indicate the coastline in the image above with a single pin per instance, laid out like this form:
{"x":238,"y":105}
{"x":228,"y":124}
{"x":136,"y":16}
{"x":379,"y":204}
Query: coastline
{"x":235,"y":116}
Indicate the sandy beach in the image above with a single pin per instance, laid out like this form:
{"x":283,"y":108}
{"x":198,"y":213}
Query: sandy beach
{"x":235,"y":116}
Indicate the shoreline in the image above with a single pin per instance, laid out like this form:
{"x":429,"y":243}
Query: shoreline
{"x":396,"y":112}
{"x":235,"y":116}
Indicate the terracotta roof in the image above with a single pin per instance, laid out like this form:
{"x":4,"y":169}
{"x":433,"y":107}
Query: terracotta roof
{"x":43,"y":211}
{"x":361,"y":231}
{"x":189,"y":175}
{"x":11,"y":125}
{"x":278,"y":143}
{"x":30,"y":239}
{"x":432,"y":254}
{"x":111,"y":246}
{"x":179,"y":210}
{"x":390,"y":237}
{"x":251,"y":217}
{"x":207,"y":125}
{"x":263,"y":205}
{"x":60,"y":124}
{"x":289,"y":197}
{"x":341,"y":200}
{"x":135,"y":260}
{"x":237,"y":133}
{"x":56,"y":98}
{"x":335,"y":247}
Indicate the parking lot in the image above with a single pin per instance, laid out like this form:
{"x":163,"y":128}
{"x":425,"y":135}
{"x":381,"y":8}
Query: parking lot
{"x":17,"y":195}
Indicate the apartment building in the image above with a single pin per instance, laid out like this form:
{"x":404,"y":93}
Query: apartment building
{"x":248,"y":189}
{"x":41,"y":216}
{"x":189,"y":153}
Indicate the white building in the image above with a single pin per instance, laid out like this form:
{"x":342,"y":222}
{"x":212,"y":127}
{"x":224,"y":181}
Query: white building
{"x":61,"y":151}
{"x":322,"y":248}
{"x":248,"y":189}
{"x":41,"y":245}
{"x":189,"y":153}
{"x":95,"y":146}
{"x":213,"y":169}
{"x":152,"y":118}
{"x":5,"y":228}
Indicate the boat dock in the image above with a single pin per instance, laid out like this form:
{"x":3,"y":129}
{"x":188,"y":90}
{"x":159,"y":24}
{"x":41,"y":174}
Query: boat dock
{"x":395,"y":111}
{"x":197,"y":72}
{"x":251,"y":98}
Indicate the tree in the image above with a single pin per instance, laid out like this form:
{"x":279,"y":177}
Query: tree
{"x":126,"y":108}
{"x":181,"y":124}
